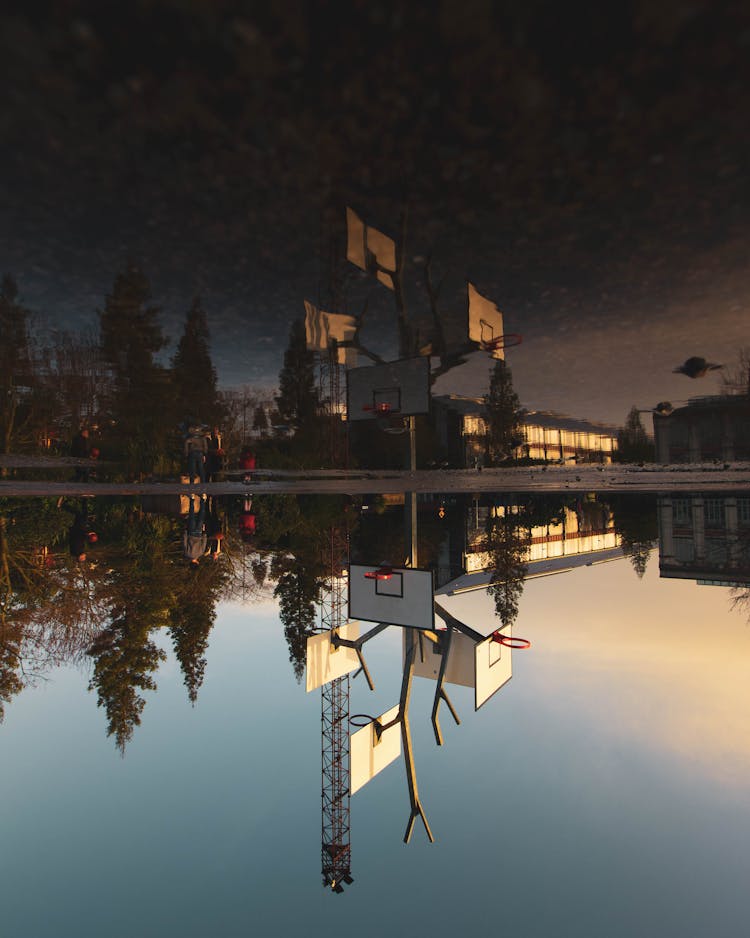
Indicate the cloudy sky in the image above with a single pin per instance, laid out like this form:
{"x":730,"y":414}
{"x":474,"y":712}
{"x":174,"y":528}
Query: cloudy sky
{"x":584,"y":165}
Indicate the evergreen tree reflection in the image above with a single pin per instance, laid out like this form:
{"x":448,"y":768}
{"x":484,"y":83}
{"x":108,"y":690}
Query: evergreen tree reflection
{"x":507,"y":541}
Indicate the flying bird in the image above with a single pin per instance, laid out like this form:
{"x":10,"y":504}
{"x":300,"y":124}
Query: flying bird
{"x":696,"y":367}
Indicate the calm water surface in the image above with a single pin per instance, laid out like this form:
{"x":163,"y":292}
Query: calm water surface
{"x":601,"y":791}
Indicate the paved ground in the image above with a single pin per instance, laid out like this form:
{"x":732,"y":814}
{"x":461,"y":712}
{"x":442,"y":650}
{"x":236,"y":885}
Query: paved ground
{"x":649,"y":479}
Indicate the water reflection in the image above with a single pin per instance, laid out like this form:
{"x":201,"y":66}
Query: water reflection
{"x":102,"y":583}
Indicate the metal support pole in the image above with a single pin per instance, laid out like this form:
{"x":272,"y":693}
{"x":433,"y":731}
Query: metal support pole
{"x":410,"y":506}
{"x":440,"y":693}
{"x":411,"y":774}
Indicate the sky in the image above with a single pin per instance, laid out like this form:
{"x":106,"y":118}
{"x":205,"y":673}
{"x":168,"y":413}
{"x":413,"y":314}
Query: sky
{"x":583,"y":165}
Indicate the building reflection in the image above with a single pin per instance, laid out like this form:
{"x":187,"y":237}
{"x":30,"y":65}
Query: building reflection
{"x":709,"y":428}
{"x":705,"y":538}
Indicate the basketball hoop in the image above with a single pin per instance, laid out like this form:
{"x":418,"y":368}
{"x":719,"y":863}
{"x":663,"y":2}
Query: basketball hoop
{"x":382,"y":408}
{"x":382,"y":573}
{"x":361,"y":719}
{"x":507,"y":340}
{"x":510,"y":641}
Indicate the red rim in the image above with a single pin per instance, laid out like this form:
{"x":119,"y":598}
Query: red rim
{"x":382,"y":574}
{"x":508,"y":340}
{"x":380,"y":408}
{"x":511,"y":641}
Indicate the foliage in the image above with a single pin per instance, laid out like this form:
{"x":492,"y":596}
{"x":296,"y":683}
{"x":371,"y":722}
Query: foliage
{"x":735,"y":378}
{"x":633,"y":443}
{"x":504,"y":415}
{"x":15,"y":362}
{"x":635,"y":521}
{"x":297,"y":589}
{"x":507,"y":541}
{"x":193,"y":371}
{"x":140,"y":402}
{"x":298,"y":397}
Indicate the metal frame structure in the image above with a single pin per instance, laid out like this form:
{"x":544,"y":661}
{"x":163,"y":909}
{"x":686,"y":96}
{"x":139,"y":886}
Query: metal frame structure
{"x":334,"y":715}
{"x":334,"y":696}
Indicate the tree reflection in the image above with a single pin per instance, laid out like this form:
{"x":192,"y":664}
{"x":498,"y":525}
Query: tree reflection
{"x":636,"y":522}
{"x":125,"y":660}
{"x":59,"y":605}
{"x":507,"y":541}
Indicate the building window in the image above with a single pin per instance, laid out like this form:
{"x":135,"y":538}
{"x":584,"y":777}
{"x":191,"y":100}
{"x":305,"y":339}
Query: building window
{"x":682,"y":515}
{"x":714,"y":512}
{"x":684,"y":550}
{"x":743,"y":510}
{"x":717,"y":553}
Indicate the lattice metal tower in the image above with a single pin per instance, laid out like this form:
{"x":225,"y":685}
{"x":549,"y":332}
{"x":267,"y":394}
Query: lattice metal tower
{"x":335,"y":845}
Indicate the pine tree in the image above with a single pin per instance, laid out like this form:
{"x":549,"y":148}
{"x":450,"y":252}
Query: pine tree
{"x":297,"y":592}
{"x":633,"y":444}
{"x":298,"y":398}
{"x":260,"y":419}
{"x":504,"y":415}
{"x":193,"y":371}
{"x":140,"y":401}
{"x":507,"y":542}
{"x":14,"y":359}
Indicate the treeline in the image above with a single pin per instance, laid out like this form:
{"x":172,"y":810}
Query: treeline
{"x":111,"y":379}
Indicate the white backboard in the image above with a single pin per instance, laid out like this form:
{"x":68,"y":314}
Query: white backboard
{"x":369,"y":755}
{"x":461,"y":664}
{"x":493,"y":668}
{"x":485,"y":320}
{"x":321,"y":328}
{"x":406,"y":598}
{"x":404,"y":386}
{"x":365,"y":244}
{"x":324,"y":662}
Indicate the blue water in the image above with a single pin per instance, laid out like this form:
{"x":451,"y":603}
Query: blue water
{"x":586,"y":798}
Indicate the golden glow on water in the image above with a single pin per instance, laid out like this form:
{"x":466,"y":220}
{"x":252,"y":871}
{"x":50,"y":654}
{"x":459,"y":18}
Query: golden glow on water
{"x":664,"y":663}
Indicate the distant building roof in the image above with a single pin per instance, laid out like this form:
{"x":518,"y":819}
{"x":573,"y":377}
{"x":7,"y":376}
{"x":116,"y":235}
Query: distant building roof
{"x":549,"y":418}
{"x":475,"y":406}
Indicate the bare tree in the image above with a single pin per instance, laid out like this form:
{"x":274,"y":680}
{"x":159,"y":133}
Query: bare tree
{"x":735,"y":379}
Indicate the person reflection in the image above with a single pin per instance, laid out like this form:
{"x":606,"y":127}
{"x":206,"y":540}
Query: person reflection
{"x":214,"y":529}
{"x":81,"y":450}
{"x":80,"y":534}
{"x":194,"y":538}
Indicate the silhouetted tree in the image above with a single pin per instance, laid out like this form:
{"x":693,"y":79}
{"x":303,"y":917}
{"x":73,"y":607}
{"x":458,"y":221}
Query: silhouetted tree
{"x":193,"y":371}
{"x":125,"y":660}
{"x":192,"y":617}
{"x":297,"y":591}
{"x":260,"y":419}
{"x":635,"y":521}
{"x":298,"y":397}
{"x":633,"y":443}
{"x":140,"y":401}
{"x":735,"y":378}
{"x":15,"y":360}
{"x":507,"y":542}
{"x":504,"y":415}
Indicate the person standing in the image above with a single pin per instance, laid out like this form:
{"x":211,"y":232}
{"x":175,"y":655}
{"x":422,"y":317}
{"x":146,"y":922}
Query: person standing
{"x":80,"y":449}
{"x":196,"y":446}
{"x":214,"y":455}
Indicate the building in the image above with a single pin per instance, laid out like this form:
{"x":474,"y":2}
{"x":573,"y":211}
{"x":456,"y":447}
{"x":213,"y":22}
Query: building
{"x":706,"y":429}
{"x":461,"y":427}
{"x":705,"y":538}
{"x":583,"y":534}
